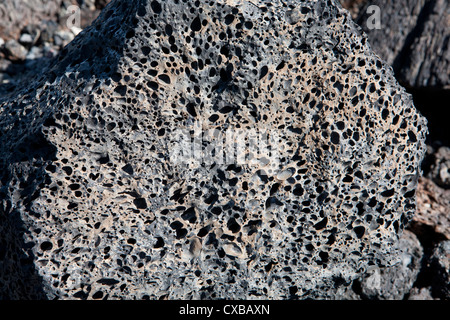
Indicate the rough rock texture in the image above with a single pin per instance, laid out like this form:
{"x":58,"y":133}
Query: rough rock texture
{"x":433,"y":210}
{"x":420,"y":294}
{"x":440,"y":169}
{"x":395,"y":282}
{"x":94,"y":206}
{"x":414,"y":39}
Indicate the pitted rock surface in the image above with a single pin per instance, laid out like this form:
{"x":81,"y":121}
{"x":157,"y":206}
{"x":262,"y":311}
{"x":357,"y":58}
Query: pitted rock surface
{"x":94,"y":205}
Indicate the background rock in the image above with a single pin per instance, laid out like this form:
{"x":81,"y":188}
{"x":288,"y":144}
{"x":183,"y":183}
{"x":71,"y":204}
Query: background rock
{"x":432,"y":218}
{"x":16,"y":14}
{"x":15,"y":51}
{"x":440,"y":262}
{"x":413,"y":38}
{"x":434,"y":276}
{"x":440,"y":169}
{"x":353,"y":6}
{"x":23,"y":22}
{"x":420,"y":294}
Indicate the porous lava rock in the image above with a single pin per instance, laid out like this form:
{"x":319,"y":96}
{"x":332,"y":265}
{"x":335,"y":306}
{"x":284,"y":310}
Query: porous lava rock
{"x":102,"y":196}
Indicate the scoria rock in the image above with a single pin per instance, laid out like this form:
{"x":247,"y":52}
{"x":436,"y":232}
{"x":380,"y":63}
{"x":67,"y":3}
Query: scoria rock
{"x":207,"y":149}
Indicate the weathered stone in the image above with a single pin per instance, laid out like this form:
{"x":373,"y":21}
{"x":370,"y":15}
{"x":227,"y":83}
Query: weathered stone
{"x":420,"y":294}
{"x":15,"y":51}
{"x":433,"y":210}
{"x":102,"y":195}
{"x":353,"y":6}
{"x":30,"y":35}
{"x":26,"y":39}
{"x":435,"y":274}
{"x":413,"y":38}
{"x":47,"y":31}
{"x":440,"y":169}
{"x":395,"y":282}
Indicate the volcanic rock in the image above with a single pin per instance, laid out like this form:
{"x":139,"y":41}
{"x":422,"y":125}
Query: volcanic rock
{"x":395,"y":282}
{"x":207,"y":149}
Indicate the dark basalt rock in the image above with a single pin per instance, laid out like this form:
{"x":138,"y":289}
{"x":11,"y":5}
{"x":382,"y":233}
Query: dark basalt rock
{"x":102,"y":195}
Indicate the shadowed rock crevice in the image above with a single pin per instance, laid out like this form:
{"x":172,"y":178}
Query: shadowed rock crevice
{"x":414,"y":38}
{"x":431,"y":102}
{"x":416,"y":32}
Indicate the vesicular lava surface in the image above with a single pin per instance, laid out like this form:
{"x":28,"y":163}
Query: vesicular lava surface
{"x":103,"y":197}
